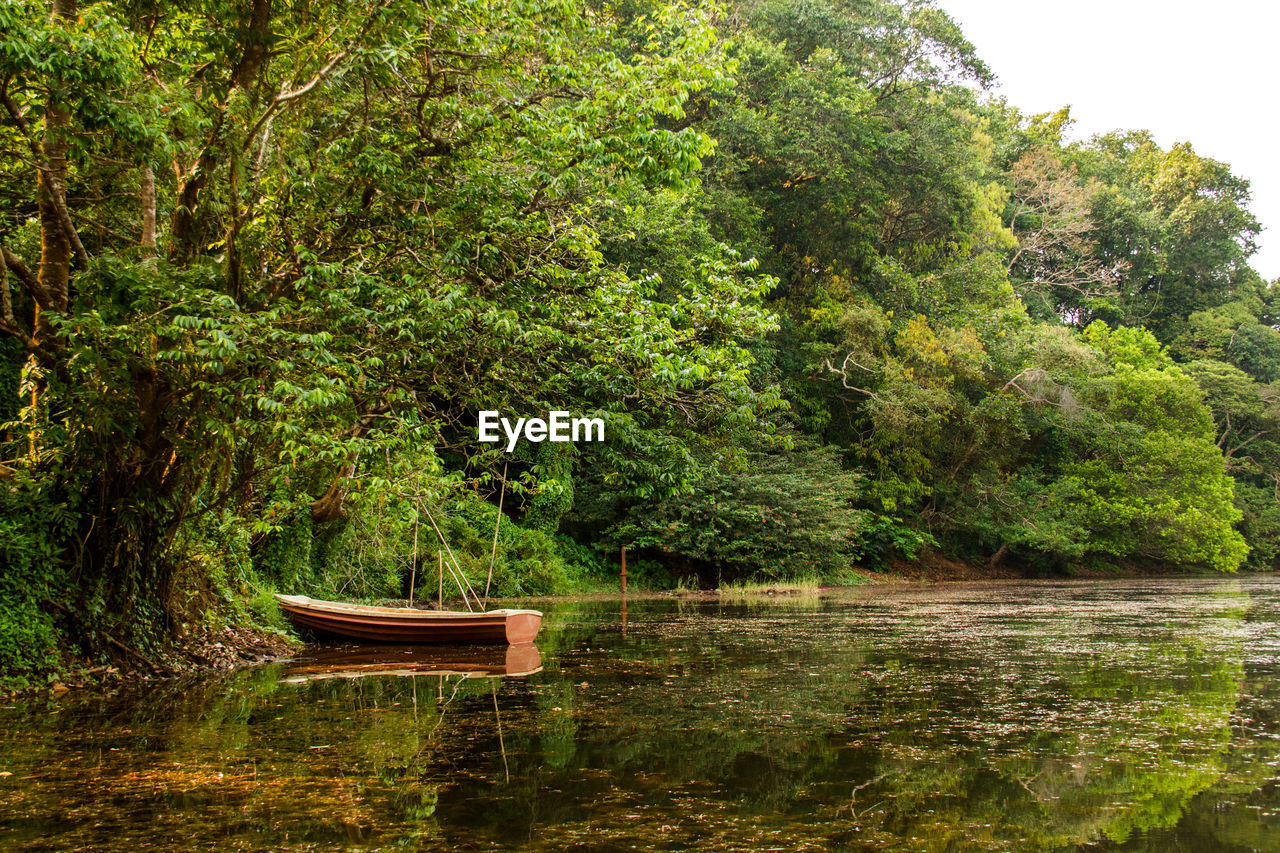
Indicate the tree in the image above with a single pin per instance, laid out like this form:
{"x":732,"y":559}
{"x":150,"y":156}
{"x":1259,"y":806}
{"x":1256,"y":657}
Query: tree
{"x":1128,"y":469}
{"x":1177,"y":223}
{"x":778,"y":510}
{"x":1055,"y":268}
{"x":371,"y":225}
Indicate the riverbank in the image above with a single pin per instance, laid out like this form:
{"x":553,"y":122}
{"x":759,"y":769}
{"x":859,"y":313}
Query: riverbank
{"x":926,"y":570}
{"x":232,"y":647}
{"x":205,"y":652}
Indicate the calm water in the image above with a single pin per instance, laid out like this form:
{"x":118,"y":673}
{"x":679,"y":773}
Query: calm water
{"x":1134,"y":715}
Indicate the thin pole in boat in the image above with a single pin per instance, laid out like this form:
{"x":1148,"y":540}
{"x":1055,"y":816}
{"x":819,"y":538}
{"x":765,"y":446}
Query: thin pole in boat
{"x":413,"y":565}
{"x":493,"y":558}
{"x":440,"y":600}
{"x":459,"y":577}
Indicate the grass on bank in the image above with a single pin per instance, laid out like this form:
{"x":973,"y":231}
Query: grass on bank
{"x":804,"y":586}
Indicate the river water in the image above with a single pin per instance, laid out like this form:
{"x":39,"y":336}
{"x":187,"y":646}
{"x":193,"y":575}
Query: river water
{"x":1040,"y":716}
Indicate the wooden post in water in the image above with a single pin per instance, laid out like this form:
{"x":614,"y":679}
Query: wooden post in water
{"x":624,"y":615}
{"x":624,"y":570}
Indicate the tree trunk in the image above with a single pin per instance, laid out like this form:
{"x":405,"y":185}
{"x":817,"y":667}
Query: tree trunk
{"x":148,"y":194}
{"x":257,"y":43}
{"x":54,"y":273}
{"x":329,"y":506}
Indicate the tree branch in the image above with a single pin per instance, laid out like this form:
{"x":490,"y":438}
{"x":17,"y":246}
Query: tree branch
{"x":24,"y":274}
{"x":282,"y":98}
{"x":58,"y":191}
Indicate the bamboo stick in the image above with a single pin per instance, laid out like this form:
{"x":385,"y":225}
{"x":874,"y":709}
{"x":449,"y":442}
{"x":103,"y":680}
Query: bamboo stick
{"x":413,"y":565}
{"x":493,"y":557}
{"x":460,"y":581}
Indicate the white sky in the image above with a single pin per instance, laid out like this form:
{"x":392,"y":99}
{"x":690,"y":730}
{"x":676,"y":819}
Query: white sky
{"x":1203,"y":72}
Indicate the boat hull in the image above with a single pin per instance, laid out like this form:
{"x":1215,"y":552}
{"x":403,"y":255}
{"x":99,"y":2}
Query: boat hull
{"x":407,"y":626}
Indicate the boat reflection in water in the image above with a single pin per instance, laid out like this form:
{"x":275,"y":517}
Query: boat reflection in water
{"x":323,"y":662}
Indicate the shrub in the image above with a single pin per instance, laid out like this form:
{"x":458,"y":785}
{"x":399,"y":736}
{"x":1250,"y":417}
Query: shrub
{"x":779,"y":513}
{"x":32,"y":579}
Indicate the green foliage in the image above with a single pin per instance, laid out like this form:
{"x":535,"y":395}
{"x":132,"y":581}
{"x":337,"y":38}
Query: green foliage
{"x":1260,"y":524}
{"x":372,"y":223}
{"x":1176,"y":223}
{"x":886,"y":535}
{"x":364,"y":559}
{"x":370,"y":556}
{"x":585,"y":566}
{"x":776,"y":512}
{"x":1246,"y":416}
{"x":33,"y":583}
{"x":1125,"y":464}
{"x":284,"y":555}
{"x":362,"y":238}
{"x":554,"y":497}
{"x":266,"y":610}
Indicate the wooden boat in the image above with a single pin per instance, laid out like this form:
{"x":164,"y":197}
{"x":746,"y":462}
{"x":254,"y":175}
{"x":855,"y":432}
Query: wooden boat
{"x":349,"y":662}
{"x":408,"y":625}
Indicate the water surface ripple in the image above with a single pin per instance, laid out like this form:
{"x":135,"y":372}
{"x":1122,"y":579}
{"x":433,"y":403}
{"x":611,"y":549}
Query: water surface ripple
{"x":1039,"y":716}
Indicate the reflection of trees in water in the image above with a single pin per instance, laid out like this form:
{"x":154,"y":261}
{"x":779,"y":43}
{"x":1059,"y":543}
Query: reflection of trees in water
{"x":1048,"y":735}
{"x":1240,"y":811}
{"x":1125,"y":743}
{"x":756,"y":726}
{"x":246,"y":757}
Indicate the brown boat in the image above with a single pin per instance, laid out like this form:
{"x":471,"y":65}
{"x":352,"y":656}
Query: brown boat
{"x":349,"y":662}
{"x":408,"y":625}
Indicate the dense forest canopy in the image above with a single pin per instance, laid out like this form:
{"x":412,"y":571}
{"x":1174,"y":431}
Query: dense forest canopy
{"x":264,"y":262}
